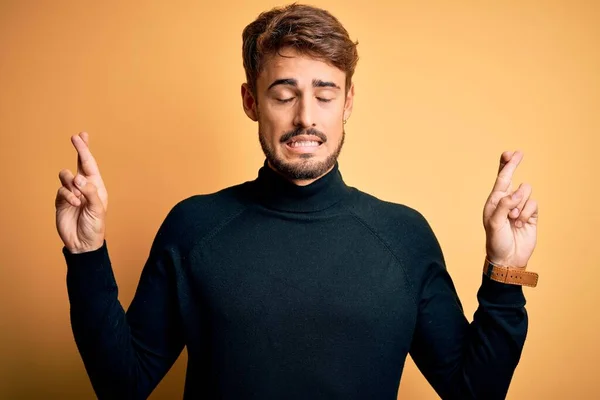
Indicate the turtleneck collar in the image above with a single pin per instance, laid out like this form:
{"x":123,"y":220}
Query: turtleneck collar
{"x":274,"y":191}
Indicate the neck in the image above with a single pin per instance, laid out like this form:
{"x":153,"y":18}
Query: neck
{"x":275,"y":191}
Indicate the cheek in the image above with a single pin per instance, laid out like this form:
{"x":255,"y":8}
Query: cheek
{"x":273,"y":123}
{"x":331,"y":114}
{"x":268,"y":130}
{"x":333,"y":119}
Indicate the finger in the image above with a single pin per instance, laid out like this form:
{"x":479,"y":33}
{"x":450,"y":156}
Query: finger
{"x":526,"y":190}
{"x":505,"y":175}
{"x":530,"y":210}
{"x":90,"y":192}
{"x":501,"y":212}
{"x":86,"y":164}
{"x":86,"y":139}
{"x":504,"y":158}
{"x":64,"y":195}
{"x":66,"y":179}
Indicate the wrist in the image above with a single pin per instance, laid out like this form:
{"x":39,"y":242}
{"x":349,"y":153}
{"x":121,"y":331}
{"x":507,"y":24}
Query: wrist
{"x":509,"y":274}
{"x":85,"y":249}
{"x":506,"y":263}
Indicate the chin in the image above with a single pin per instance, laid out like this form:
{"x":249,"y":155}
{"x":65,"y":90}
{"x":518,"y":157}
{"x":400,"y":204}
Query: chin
{"x":303,"y":166}
{"x":300,"y":165}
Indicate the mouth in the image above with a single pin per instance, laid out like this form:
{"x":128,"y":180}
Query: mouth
{"x":303,"y":143}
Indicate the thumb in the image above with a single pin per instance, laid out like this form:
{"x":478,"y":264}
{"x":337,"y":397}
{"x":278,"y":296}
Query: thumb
{"x":505,"y":205}
{"x":90,"y":192}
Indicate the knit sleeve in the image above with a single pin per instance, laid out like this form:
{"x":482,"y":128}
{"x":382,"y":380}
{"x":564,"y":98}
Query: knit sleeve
{"x":463,"y":360}
{"x":126,"y":354}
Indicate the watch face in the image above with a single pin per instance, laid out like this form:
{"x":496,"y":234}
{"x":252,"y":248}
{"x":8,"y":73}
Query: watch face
{"x":490,"y":269}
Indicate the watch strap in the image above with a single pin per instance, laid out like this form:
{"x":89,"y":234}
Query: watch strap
{"x":509,"y":275}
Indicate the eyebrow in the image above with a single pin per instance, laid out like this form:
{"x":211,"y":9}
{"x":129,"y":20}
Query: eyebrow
{"x":294,"y":83}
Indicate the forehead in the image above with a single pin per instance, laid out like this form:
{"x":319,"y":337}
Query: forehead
{"x":290,"y":64}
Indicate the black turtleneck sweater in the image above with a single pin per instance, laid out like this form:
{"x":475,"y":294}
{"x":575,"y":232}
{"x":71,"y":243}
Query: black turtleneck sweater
{"x":283,"y":291}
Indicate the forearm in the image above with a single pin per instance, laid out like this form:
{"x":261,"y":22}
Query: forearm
{"x":495,"y":341}
{"x":101,"y":329}
{"x":470,"y":361}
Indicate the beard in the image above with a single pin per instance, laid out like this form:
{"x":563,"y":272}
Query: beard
{"x":306,"y":168}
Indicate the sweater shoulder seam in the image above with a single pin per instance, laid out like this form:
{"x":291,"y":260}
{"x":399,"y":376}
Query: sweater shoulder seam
{"x":388,"y":248}
{"x":212,"y":232}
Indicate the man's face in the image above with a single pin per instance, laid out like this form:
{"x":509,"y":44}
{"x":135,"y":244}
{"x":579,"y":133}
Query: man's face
{"x":300,"y":107}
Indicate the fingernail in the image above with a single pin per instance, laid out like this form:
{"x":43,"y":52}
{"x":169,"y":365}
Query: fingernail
{"x":79,"y":181}
{"x":517,"y":195}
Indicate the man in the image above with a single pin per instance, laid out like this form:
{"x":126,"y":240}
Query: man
{"x":295,"y":285}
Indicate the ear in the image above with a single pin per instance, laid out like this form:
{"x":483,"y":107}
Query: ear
{"x":248,"y":102}
{"x":349,"y":102}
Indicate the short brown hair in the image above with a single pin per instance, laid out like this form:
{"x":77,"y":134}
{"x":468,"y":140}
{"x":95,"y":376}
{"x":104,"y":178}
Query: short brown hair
{"x":309,"y":30}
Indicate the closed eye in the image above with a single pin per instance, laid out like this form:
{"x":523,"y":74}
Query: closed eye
{"x":321,"y":99}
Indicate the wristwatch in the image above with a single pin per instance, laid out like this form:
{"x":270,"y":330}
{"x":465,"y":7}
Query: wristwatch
{"x":510,"y":275}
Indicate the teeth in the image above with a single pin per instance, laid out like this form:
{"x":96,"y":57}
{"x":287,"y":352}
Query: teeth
{"x":304,"y":143}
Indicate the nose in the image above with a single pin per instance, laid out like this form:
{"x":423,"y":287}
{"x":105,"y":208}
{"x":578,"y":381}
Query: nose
{"x":304,"y":114}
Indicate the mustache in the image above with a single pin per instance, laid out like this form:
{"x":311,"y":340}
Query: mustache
{"x":301,"y":131}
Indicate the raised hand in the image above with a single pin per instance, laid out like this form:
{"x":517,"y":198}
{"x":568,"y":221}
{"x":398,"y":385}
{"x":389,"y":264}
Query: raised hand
{"x":81,"y":202}
{"x":510,"y":218}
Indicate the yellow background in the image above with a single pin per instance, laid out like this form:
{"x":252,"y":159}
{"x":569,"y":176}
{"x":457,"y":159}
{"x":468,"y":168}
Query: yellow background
{"x":442,"y":88}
